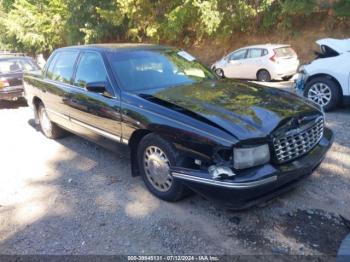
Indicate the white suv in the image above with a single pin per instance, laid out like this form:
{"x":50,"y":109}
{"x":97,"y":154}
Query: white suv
{"x":326,"y":80}
{"x":261,"y":62}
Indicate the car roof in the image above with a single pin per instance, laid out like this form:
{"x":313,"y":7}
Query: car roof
{"x":267,"y":46}
{"x":9,"y":57}
{"x":117,"y":47}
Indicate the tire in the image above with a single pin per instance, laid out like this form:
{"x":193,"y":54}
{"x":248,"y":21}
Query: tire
{"x":147,"y":156}
{"x":327,"y":88}
{"x":48,"y":128}
{"x":263,"y":76}
{"x":219,"y":72}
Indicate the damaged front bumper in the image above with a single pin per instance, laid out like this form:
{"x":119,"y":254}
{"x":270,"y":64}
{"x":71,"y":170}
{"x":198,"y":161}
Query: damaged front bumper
{"x":299,"y":84}
{"x":254,"y":185}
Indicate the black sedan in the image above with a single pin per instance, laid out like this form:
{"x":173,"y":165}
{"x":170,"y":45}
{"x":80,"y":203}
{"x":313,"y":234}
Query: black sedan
{"x":236,"y":142}
{"x":11,"y":74}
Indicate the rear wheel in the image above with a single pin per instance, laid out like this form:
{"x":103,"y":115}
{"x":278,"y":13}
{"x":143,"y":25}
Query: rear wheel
{"x":48,"y":128}
{"x":263,"y":76}
{"x":323,"y":91}
{"x":155,"y":157}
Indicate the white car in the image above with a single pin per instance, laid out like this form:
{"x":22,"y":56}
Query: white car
{"x":326,"y":80}
{"x":259,"y":62}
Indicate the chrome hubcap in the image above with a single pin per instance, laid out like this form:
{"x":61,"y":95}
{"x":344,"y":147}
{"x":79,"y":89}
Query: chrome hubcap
{"x":45,"y":122}
{"x":320,"y":93}
{"x":157,"y":168}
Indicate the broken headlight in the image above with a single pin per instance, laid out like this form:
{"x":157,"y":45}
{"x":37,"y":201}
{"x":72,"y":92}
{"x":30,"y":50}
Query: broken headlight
{"x":250,"y":156}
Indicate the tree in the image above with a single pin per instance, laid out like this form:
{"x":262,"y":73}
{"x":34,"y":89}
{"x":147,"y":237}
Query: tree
{"x":35,"y":26}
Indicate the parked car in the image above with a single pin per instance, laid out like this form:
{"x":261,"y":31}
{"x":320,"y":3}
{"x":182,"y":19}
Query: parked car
{"x":11,"y":74}
{"x":260,"y":62}
{"x":326,"y":80}
{"x":231,"y":141}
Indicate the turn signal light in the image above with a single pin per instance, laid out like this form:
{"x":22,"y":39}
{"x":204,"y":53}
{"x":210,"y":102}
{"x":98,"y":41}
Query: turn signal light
{"x":4,"y":83}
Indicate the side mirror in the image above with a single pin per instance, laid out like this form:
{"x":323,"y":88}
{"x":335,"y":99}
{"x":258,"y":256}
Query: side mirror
{"x":96,"y":87}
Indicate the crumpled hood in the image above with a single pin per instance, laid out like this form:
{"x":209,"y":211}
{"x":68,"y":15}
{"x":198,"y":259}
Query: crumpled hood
{"x":338,"y":45}
{"x":245,"y":110}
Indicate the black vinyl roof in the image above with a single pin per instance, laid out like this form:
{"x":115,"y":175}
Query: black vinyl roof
{"x":117,"y":47}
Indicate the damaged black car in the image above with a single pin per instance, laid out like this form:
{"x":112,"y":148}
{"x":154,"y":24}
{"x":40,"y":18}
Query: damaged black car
{"x":234,"y":142}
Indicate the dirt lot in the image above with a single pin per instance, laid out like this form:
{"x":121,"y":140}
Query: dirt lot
{"x":72,"y":197}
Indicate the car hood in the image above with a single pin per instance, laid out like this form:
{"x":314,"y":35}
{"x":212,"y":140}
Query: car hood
{"x":242,"y":109}
{"x":338,"y":45}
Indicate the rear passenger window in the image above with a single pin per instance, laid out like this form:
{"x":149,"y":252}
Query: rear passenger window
{"x":255,"y":53}
{"x":62,"y":66}
{"x":90,"y":69}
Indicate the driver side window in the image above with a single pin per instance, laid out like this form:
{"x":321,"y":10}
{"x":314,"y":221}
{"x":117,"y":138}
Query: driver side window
{"x":238,"y":55}
{"x":90,"y":69}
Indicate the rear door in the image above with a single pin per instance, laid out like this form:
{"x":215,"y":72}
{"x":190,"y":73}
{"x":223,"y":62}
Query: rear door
{"x":94,"y":115}
{"x":253,"y":62}
{"x":57,"y":84}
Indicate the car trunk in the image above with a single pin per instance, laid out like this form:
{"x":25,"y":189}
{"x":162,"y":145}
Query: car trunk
{"x":11,"y":81}
{"x":286,"y":57}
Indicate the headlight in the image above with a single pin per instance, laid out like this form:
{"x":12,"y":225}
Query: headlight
{"x":251,"y":156}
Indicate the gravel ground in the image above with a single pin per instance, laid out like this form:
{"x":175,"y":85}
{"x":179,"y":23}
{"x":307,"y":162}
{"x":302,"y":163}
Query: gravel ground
{"x":72,"y":197}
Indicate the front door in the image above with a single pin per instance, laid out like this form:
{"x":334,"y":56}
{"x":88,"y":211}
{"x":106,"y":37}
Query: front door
{"x":233,"y":68}
{"x":95,"y":115}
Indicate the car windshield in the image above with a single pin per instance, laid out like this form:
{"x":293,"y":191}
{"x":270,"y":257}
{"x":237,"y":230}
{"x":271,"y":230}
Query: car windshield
{"x":16,"y":65}
{"x":151,"y":69}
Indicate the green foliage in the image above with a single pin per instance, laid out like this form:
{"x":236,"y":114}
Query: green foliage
{"x":34,"y":28}
{"x":297,"y":7}
{"x":342,"y":8}
{"x":43,"y":25}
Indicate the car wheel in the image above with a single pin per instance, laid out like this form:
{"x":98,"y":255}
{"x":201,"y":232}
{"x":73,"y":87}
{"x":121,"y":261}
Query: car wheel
{"x":48,"y":128}
{"x":155,"y":157}
{"x":324,"y":92}
{"x":263,"y":76}
{"x":220,"y":72}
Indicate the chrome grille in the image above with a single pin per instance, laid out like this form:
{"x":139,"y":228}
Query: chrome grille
{"x":298,"y":141}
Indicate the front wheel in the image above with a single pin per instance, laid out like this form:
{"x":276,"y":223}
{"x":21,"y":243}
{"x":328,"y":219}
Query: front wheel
{"x":155,"y":157}
{"x":324,"y":92}
{"x":220,"y":72}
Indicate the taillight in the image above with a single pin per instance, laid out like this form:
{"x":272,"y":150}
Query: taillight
{"x":4,"y":82}
{"x":274,"y":57}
